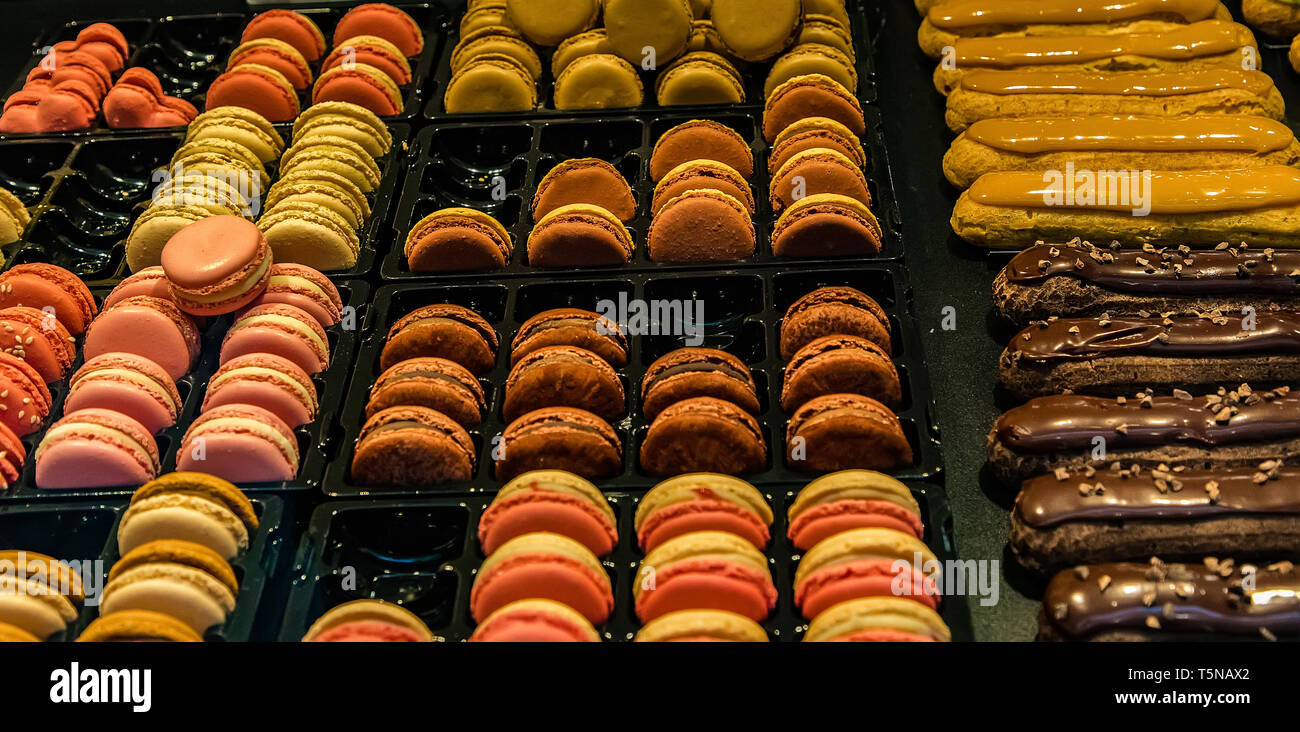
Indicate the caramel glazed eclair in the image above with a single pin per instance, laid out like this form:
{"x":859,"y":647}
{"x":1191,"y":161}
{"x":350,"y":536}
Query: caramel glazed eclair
{"x":1119,"y":513}
{"x":995,"y":94}
{"x":947,"y":22}
{"x":1118,"y":143}
{"x":1077,"y":279}
{"x":1241,"y":427}
{"x":1154,"y":600}
{"x":1016,"y":209}
{"x":1207,"y":44}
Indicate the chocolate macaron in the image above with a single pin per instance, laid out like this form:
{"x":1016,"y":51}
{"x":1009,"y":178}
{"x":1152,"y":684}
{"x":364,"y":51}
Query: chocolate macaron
{"x":444,"y":331}
{"x":700,"y":140}
{"x":563,"y":376}
{"x":560,"y":438}
{"x":412,"y":446}
{"x":843,"y":431}
{"x":826,"y":225}
{"x":584,"y":180}
{"x":818,"y":170}
{"x":704,"y":435}
{"x":435,"y":383}
{"x":697,"y":372}
{"x":701,"y":174}
{"x":702,"y":225}
{"x":833,"y":311}
{"x":840,"y":364}
{"x":457,"y":240}
{"x":571,"y":327}
{"x":579,"y":235}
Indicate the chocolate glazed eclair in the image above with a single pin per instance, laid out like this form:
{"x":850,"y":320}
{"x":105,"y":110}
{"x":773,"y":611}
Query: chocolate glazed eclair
{"x":1143,"y":601}
{"x":1078,"y":279}
{"x":1075,"y":432}
{"x":1120,"y":514}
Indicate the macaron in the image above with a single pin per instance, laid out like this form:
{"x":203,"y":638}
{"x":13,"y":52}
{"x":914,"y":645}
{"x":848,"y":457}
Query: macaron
{"x":826,"y":225}
{"x":14,"y":217}
{"x":547,"y":22}
{"x":812,"y":58}
{"x":574,"y":47}
{"x":256,"y":87}
{"x":697,"y":372}
{"x":560,"y":438}
{"x":281,"y":330}
{"x":701,"y":175}
{"x":145,"y":326}
{"x":563,"y":376}
{"x":584,"y":180}
{"x":13,"y":455}
{"x":217,"y":265}
{"x":811,"y":95}
{"x":756,"y":30}
{"x":851,"y":499}
{"x":350,"y":121}
{"x":814,"y":171}
{"x":381,"y":19}
{"x":702,"y":502}
{"x":866,"y":562}
{"x":444,"y":331}
{"x":535,"y":620}
{"x":275,"y":54}
{"x":699,"y":78}
{"x":599,"y":81}
{"x":547,"y":566}
{"x":240,"y":443}
{"x":193,"y":507}
{"x":702,"y":225}
{"x":457,"y":240}
{"x":701,"y":140}
{"x":571,"y":327}
{"x":184,"y":580}
{"x":878,"y":619}
{"x":138,"y":626}
{"x":834,"y":311}
{"x":496,"y":41}
{"x":316,"y":149}
{"x":92,"y":448}
{"x":150,"y":282}
{"x":368,"y":621}
{"x":295,"y":29}
{"x":360,"y":84}
{"x":219,"y":195}
{"x":579,"y":235}
{"x":37,"y":337}
{"x":43,"y":286}
{"x":40,"y":595}
{"x":704,"y":37}
{"x":828,"y":30}
{"x":701,"y":626}
{"x":485,"y":14}
{"x":663,"y":26}
{"x":128,"y":384}
{"x":317,"y":190}
{"x":709,"y":570}
{"x":304,"y":288}
{"x":271,"y":382}
{"x":840,"y":364}
{"x":240,"y":125}
{"x":67,"y":106}
{"x":842,"y":431}
{"x":815,"y":132}
{"x":25,"y":400}
{"x":103,"y":41}
{"x":491,"y":83}
{"x":411,"y":446}
{"x":372,"y":51}
{"x":549,"y":500}
{"x":703,"y":435}
{"x":834,"y":10}
{"x":435,"y":383}
{"x":310,"y":234}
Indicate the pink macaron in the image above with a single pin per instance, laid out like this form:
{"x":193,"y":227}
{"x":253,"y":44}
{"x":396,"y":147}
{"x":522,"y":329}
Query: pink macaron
{"x":151,"y":281}
{"x":128,"y":384}
{"x":93,"y":448}
{"x":217,"y":265}
{"x":240,"y":443}
{"x":264,"y":380}
{"x":149,"y":327}
{"x":305,"y":288}
{"x":282,"y":330}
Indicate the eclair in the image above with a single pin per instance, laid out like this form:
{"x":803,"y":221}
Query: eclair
{"x":1145,"y":601}
{"x":1108,"y":354}
{"x":1128,"y":513}
{"x":1016,"y":209}
{"x":1206,"y":44}
{"x":1277,"y":18}
{"x":1077,"y":279}
{"x":995,"y":94}
{"x":1115,"y":143}
{"x":1215,"y":429}
{"x":949,"y":21}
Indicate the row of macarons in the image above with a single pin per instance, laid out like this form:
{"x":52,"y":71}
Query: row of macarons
{"x":563,"y":392}
{"x":704,"y":575}
{"x":311,"y":214}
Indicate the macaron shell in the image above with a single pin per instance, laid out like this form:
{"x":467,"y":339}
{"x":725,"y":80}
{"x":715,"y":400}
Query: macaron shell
{"x":180,"y":591}
{"x":701,"y":226}
{"x":217,"y":265}
{"x":547,"y":576}
{"x":138,"y":625}
{"x":701,"y":625}
{"x":664,"y":25}
{"x":95,"y":448}
{"x":702,"y":174}
{"x":703,"y":435}
{"x":585,"y":180}
{"x":293,"y":28}
{"x":579,"y":235}
{"x":840,"y":365}
{"x":491,"y":84}
{"x":362,"y":85}
{"x":280,"y":330}
{"x":826,"y":520}
{"x":560,"y":438}
{"x":255,"y":87}
{"x":842,"y":431}
{"x":26,"y":399}
{"x":368,"y":631}
{"x":817,"y":171}
{"x":436,"y":383}
{"x":851,"y":580}
{"x":812,"y":95}
{"x":599,"y":81}
{"x":831,"y":311}
{"x":383,"y":20}
{"x":275,"y":384}
{"x":283,"y":58}
{"x":705,"y":79}
{"x":812,"y":58}
{"x":561,"y":376}
{"x":443,"y":331}
{"x":304,"y":288}
{"x":46,"y":285}
{"x":549,"y":22}
{"x":535,"y":621}
{"x":412,"y":446}
{"x":705,"y":583}
{"x":128,"y":394}
{"x":826,"y":225}
{"x":703,"y":514}
{"x":38,"y":615}
{"x":150,"y":327}
{"x":372,"y":51}
{"x":180,"y":516}
{"x":571,"y":327}
{"x":241,"y":444}
{"x":543,"y":510}
{"x":38,"y":338}
{"x":756,"y":30}
{"x":368,"y":611}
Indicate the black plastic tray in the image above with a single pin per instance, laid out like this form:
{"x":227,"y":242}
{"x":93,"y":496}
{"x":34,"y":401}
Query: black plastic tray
{"x":312,"y":438}
{"x":459,"y":164}
{"x":753,"y":75}
{"x":743,"y":308}
{"x":91,"y":190}
{"x":424,"y":554}
{"x":87,"y":530}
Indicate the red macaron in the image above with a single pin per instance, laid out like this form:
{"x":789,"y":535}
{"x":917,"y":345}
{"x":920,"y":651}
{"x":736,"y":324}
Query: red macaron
{"x":217,"y":265}
{"x":383,"y":20}
{"x":295,"y":29}
{"x":547,"y":566}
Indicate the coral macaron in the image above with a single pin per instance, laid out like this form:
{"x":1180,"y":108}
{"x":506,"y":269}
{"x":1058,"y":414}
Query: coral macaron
{"x":535,"y":621}
{"x":282,"y":330}
{"x":304,"y":288}
{"x":360,"y":84}
{"x":295,"y":29}
{"x":381,"y":19}
{"x":259,"y":88}
{"x":46,"y":285}
{"x":374,"y":51}
{"x":264,"y":380}
{"x":851,"y":499}
{"x":128,"y":384}
{"x":240,"y":443}
{"x":702,"y":502}
{"x":704,"y":570}
{"x":701,"y":626}
{"x":94,"y":448}
{"x":368,"y":621}
{"x":39,"y":339}
{"x":549,"y":500}
{"x":12,"y":457}
{"x":543,"y":565}
{"x":25,"y":400}
{"x":217,"y":265}
{"x":868,"y":562}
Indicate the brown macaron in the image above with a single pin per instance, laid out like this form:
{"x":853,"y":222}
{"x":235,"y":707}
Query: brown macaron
{"x":826,"y":225}
{"x":457,"y":240}
{"x":702,"y":225}
{"x":444,"y":331}
{"x":840,"y":364}
{"x":571,"y":327}
{"x":584,"y":180}
{"x":834,"y":311}
{"x":819,"y":170}
{"x":704,"y":435}
{"x":845,"y":431}
{"x":701,"y":140}
{"x":563,"y":376}
{"x":409,"y":446}
{"x":435,"y":383}
{"x":812,"y":95}
{"x":814,"y":132}
{"x":560,"y":438}
{"x":697,"y":372}
{"x":579,"y":235}
{"x":702,"y":175}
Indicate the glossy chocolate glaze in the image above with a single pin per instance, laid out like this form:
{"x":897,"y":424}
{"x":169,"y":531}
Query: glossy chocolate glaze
{"x":1178,"y":272}
{"x":967,"y":13}
{"x":1134,"y":83}
{"x":1081,"y":339}
{"x":1119,"y":495}
{"x":1198,"y":40}
{"x":1155,"y":134}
